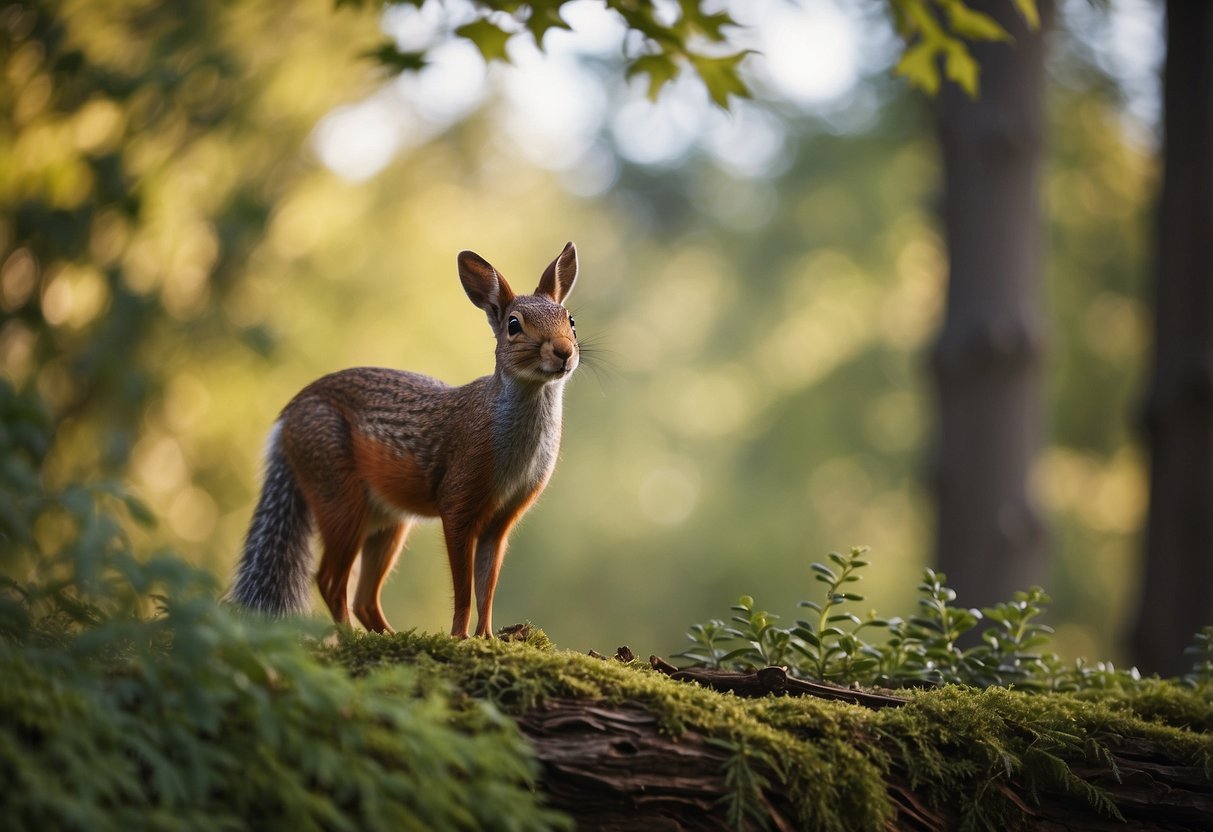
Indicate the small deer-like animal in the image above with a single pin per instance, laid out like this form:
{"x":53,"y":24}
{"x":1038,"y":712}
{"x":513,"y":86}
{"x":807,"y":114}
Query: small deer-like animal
{"x":358,"y":455}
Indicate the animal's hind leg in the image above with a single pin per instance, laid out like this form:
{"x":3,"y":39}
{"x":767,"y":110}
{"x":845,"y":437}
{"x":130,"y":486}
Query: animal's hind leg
{"x":316,"y":440}
{"x":379,"y":554}
{"x":342,"y":534}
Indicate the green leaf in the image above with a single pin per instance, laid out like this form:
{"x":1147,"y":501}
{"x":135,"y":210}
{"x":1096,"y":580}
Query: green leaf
{"x":808,"y":638}
{"x":804,"y":651}
{"x":544,"y":18}
{"x":709,"y":25}
{"x":489,"y":38}
{"x":919,"y":68}
{"x":825,"y":571}
{"x":972,"y":24}
{"x":139,"y":511}
{"x":387,"y":55}
{"x":721,"y":76}
{"x":737,"y":654}
{"x":962,"y":68}
{"x":661,"y":69}
{"x":1031,"y":15}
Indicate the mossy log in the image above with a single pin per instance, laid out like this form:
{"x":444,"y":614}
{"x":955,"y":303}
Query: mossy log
{"x":611,"y":767}
{"x":622,"y":745}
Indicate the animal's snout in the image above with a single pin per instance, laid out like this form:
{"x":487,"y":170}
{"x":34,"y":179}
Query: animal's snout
{"x":560,"y":355}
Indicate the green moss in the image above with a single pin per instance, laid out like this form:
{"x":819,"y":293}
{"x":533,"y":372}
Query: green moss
{"x":955,"y":747}
{"x":1164,"y":702}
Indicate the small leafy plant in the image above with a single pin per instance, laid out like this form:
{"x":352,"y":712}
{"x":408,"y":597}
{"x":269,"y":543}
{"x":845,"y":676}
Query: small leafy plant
{"x":831,"y":644}
{"x":835,"y":644}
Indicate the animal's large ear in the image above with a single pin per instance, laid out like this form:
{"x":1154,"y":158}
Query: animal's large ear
{"x":485,"y":286}
{"x":559,"y":277}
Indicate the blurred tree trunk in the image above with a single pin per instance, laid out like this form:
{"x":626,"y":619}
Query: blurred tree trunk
{"x":1177,"y":599}
{"x":987,"y":362}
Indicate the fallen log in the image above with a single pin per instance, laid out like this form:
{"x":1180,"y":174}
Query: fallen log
{"x":625,"y":745}
{"x":773,"y":680}
{"x":611,"y":768}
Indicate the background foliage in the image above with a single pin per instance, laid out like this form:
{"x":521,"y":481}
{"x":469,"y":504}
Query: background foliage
{"x":174,"y":264}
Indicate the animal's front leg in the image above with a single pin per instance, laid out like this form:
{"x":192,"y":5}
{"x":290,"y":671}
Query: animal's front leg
{"x":460,"y":552}
{"x":490,"y":552}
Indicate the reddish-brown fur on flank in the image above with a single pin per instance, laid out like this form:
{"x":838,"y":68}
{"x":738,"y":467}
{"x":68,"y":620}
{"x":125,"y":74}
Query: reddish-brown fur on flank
{"x":370,"y":449}
{"x":398,"y":479}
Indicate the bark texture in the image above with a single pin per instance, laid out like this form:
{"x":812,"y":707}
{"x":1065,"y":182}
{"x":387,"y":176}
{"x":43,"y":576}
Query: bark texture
{"x":1177,"y":599}
{"x":611,"y":767}
{"x":987,"y":362}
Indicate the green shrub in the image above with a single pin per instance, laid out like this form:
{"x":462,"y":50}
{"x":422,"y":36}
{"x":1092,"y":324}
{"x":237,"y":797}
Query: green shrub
{"x":132,"y":699}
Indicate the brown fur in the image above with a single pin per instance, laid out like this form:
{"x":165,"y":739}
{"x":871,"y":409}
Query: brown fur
{"x":372,"y":448}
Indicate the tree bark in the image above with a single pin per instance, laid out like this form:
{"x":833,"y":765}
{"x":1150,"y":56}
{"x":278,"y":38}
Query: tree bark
{"x":1177,"y":599}
{"x":611,"y":767}
{"x":987,"y":362}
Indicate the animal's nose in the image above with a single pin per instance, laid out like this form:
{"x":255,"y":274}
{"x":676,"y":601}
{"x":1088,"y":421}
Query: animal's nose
{"x":563,"y":352}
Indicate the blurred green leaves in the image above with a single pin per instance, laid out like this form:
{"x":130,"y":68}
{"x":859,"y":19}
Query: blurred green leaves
{"x":720,"y":75}
{"x":940,"y":31}
{"x":672,"y":36}
{"x":488,"y":37}
{"x":124,"y":227}
{"x":389,"y":56}
{"x":936,"y":32}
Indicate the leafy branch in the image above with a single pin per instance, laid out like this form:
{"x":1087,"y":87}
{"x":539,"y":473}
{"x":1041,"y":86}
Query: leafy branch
{"x":675,"y":36}
{"x":940,"y":32}
{"x":671,"y":38}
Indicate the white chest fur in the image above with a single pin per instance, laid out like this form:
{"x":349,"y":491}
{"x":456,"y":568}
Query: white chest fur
{"x":526,"y":436}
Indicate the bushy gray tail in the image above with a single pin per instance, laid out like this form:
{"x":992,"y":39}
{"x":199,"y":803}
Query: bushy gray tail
{"x":275,"y":571}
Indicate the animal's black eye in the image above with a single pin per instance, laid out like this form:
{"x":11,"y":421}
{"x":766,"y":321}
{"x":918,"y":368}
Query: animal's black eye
{"x":514,"y":327}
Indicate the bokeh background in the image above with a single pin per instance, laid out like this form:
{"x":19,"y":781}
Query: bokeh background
{"x":236,"y":201}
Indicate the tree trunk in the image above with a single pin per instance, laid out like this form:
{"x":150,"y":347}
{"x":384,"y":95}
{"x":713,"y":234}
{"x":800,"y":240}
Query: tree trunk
{"x":987,"y":361}
{"x":1177,"y":599}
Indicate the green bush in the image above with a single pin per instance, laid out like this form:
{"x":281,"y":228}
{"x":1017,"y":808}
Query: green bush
{"x":132,"y":699}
